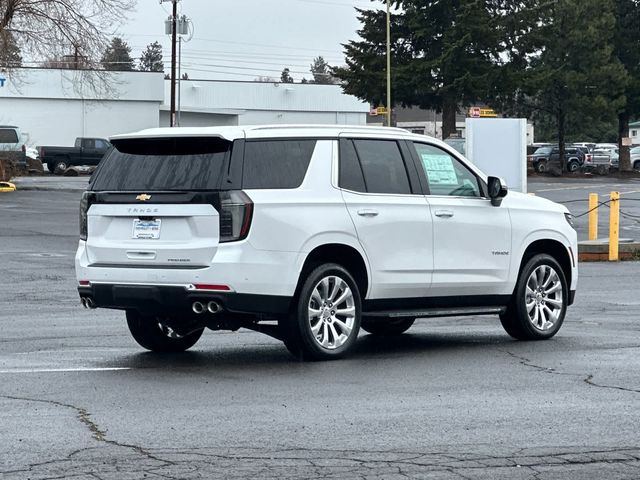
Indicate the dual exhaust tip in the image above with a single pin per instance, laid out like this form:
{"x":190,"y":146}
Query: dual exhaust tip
{"x":88,"y":303}
{"x":211,"y":307}
{"x":197,"y":307}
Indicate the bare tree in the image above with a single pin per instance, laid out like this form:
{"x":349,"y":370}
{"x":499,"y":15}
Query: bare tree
{"x":69,"y":29}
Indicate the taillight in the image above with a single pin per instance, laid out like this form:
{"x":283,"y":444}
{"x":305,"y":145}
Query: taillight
{"x":235,"y":215}
{"x":85,"y":203}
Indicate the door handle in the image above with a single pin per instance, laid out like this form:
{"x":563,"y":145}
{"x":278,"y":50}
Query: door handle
{"x":368,"y":212}
{"x":444,"y":213}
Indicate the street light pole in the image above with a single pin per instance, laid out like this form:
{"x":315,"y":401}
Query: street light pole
{"x":388,"y":63}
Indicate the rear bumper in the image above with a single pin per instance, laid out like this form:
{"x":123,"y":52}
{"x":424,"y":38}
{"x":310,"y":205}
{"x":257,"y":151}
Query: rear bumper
{"x":178,"y":299}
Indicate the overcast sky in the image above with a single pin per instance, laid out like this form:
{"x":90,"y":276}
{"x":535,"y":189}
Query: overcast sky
{"x":244,"y":39}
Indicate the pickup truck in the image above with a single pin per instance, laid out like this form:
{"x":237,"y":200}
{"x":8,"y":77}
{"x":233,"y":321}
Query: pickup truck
{"x":86,"y":151}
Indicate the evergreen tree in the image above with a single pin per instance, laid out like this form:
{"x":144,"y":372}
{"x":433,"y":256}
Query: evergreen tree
{"x":117,"y":56}
{"x":321,"y":71}
{"x":443,"y":55}
{"x":151,"y":58}
{"x":627,"y":51}
{"x":285,"y":77}
{"x":572,"y":75}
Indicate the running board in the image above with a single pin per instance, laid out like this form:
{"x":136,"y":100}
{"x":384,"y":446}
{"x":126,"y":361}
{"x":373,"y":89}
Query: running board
{"x":435,"y":312}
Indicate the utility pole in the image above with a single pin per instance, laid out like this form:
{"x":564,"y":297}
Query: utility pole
{"x":174,"y":36}
{"x":388,"y":63}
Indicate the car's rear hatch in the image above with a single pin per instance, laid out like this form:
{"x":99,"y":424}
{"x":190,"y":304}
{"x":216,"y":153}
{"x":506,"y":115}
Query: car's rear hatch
{"x":156,"y":203}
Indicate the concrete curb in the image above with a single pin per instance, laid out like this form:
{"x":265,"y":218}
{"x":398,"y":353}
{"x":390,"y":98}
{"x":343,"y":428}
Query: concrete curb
{"x":42,"y":188}
{"x":598,"y":251}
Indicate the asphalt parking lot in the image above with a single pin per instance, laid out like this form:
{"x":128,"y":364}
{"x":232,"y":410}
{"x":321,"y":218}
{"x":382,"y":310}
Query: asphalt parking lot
{"x":453,"y":398}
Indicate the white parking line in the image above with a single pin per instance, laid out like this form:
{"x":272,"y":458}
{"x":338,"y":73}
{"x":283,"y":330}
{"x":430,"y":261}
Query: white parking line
{"x":63,"y":370}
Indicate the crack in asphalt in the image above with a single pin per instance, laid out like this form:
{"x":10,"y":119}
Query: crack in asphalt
{"x":84,"y":417}
{"x":324,"y":463}
{"x":588,"y":379}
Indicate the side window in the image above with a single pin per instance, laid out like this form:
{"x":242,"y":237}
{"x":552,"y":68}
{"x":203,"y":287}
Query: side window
{"x":383,"y":167}
{"x":8,"y":135}
{"x":351,"y":176}
{"x":89,"y":143}
{"x":276,"y":163}
{"x":101,"y":144}
{"x":446,"y":175}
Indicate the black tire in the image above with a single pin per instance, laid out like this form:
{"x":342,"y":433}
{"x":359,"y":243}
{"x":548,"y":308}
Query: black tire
{"x":146,"y":330}
{"x":387,"y":327}
{"x":541,"y":166}
{"x":636,"y":166}
{"x":51,"y":167}
{"x":573,"y":166}
{"x":516,"y":320}
{"x":60,"y":166}
{"x":297,"y":332}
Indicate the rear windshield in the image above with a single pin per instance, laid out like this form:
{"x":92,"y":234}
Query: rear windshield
{"x":543,"y":151}
{"x":163,"y":164}
{"x":8,"y":135}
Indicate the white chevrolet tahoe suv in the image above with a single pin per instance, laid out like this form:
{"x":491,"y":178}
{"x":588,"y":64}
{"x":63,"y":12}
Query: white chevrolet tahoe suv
{"x":310,"y":233}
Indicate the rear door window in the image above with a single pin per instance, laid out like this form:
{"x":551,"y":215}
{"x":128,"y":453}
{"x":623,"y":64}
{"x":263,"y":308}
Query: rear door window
{"x":382,"y":166}
{"x":163,"y":164}
{"x":272,"y":164}
{"x":8,"y":135}
{"x":350,"y":176}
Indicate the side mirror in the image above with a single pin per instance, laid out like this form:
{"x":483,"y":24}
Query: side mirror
{"x":497,"y":190}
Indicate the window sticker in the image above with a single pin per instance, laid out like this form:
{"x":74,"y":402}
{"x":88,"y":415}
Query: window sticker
{"x":440,"y":169}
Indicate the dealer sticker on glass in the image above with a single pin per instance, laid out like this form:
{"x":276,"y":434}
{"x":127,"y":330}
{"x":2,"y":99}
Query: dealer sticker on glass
{"x":146,"y":229}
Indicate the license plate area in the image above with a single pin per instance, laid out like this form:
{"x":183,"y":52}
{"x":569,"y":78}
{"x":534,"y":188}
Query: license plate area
{"x":146,"y":229}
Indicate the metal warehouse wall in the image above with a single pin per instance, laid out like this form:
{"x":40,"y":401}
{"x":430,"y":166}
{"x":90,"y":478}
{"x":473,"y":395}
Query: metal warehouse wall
{"x":251,"y":103}
{"x":51,"y":109}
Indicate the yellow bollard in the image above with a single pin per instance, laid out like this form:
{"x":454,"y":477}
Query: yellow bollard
{"x":593,"y":216}
{"x":614,"y":226}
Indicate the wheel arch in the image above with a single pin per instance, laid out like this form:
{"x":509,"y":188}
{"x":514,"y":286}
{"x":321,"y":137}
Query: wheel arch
{"x":342,"y":254}
{"x":551,"y":247}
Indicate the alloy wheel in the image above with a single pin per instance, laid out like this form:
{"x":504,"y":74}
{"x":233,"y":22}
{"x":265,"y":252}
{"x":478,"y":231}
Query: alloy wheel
{"x":331,"y":312}
{"x":544,"y":297}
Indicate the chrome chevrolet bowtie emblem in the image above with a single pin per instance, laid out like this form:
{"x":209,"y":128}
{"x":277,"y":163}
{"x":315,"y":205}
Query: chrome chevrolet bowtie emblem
{"x":143,"y":197}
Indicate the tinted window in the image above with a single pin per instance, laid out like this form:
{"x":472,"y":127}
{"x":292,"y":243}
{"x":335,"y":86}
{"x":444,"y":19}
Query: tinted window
{"x":163,"y":164}
{"x":350,"y":172}
{"x":101,"y":145}
{"x":543,"y":151}
{"x":382,"y":166}
{"x":89,"y":143}
{"x":8,"y":135}
{"x":276,"y":163}
{"x":446,"y":175}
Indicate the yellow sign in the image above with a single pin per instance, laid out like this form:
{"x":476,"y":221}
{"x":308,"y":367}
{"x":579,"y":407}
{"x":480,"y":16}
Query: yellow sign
{"x":478,"y":112}
{"x":381,"y":110}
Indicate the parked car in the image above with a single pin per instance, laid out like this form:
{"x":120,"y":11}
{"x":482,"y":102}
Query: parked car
{"x":589,"y":145}
{"x":86,"y":151}
{"x":309,"y":233}
{"x":11,"y":146}
{"x":545,"y":157}
{"x":635,"y":157}
{"x":634,"y":153}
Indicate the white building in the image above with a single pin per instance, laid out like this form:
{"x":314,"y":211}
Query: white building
{"x":53,"y":107}
{"x":215,"y":102}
